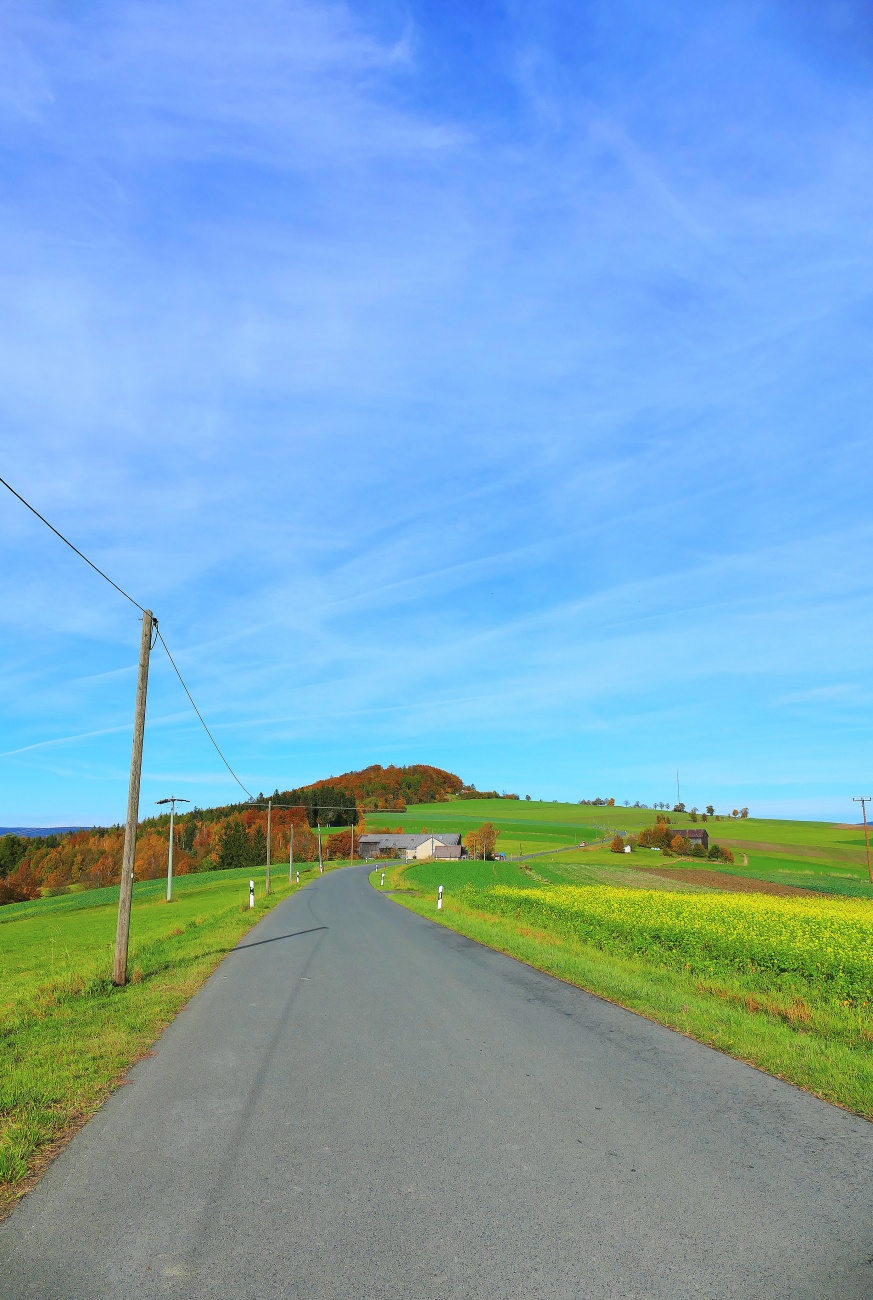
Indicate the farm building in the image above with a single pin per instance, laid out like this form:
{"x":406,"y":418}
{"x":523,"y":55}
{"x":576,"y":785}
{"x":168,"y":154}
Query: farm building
{"x":425,"y":845}
{"x":449,"y":850}
{"x":695,"y":835}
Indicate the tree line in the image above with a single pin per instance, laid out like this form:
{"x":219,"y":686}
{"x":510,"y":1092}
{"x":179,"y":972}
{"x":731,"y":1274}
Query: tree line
{"x":91,"y":859}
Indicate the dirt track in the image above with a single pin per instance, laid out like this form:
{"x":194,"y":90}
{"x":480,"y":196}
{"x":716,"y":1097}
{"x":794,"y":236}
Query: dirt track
{"x":736,"y":884}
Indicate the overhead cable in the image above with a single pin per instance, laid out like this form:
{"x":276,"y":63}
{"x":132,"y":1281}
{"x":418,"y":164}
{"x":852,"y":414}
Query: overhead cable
{"x":67,"y":542}
{"x":200,"y":716}
{"x":141,"y":608}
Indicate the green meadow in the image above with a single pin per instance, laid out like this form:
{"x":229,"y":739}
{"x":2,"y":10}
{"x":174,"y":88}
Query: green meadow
{"x":811,"y":855}
{"x":67,"y":1035}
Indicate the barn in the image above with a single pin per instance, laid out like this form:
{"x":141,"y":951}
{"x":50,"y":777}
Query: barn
{"x":425,"y":845}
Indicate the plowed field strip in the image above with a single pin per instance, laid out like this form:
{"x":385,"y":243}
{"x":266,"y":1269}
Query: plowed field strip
{"x":735,"y":884}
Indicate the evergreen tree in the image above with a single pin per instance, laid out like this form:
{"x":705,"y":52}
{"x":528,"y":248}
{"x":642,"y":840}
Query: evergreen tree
{"x":12,"y":849}
{"x":257,"y":848}
{"x":234,"y":849}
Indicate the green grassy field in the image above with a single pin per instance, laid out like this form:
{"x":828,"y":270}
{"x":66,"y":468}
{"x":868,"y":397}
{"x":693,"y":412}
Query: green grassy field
{"x":812,"y":855}
{"x":589,"y":870}
{"x":67,"y":1035}
{"x":524,"y":827}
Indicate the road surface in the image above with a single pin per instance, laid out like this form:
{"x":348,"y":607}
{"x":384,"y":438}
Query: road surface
{"x":362,"y":1105}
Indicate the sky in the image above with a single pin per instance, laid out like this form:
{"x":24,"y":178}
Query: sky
{"x":477,"y":384}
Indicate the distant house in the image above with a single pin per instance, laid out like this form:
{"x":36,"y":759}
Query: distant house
{"x":694,"y":835}
{"x":425,"y":845}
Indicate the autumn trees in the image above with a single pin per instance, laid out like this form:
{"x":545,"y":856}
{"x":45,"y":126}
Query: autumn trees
{"x":205,"y":841}
{"x":391,"y":788}
{"x":54,"y":862}
{"x":656,"y":837}
{"x":324,"y":803}
{"x":242,"y":842}
{"x":480,"y":843}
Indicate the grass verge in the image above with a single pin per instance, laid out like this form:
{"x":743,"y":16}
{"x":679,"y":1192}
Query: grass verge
{"x":68,"y":1039}
{"x":821,"y":1046}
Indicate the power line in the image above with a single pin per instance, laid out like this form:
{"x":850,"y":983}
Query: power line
{"x":200,"y":716}
{"x":67,"y":542}
{"x":121,"y":590}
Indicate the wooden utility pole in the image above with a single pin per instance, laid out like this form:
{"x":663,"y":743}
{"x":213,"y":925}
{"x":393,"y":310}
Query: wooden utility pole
{"x":320,"y":860}
{"x":863,"y":801}
{"x":122,"y":932}
{"x":269,"y":834}
{"x":352,"y":851}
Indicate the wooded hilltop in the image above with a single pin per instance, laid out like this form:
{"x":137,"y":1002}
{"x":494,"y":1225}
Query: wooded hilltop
{"x":212,"y":839}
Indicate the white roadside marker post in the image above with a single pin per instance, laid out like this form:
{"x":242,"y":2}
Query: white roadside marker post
{"x":382,"y":881}
{"x":251,"y":893}
{"x":440,"y":899}
{"x":298,"y":878}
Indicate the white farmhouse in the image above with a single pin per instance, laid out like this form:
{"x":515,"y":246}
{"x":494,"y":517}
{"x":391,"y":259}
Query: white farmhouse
{"x":426,"y":845}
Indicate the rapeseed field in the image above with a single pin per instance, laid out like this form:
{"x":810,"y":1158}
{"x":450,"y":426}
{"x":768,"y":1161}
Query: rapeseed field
{"x":826,"y":944}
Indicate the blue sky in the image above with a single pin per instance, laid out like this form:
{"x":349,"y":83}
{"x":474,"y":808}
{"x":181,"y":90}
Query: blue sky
{"x":486,"y":385}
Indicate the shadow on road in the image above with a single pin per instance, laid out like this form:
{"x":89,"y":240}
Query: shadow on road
{"x":277,"y":937}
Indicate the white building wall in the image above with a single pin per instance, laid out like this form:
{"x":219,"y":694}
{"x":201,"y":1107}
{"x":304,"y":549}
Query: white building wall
{"x":424,"y":850}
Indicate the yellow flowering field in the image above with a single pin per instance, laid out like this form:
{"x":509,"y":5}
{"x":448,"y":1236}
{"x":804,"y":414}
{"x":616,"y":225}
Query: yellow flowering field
{"x":826,"y":944}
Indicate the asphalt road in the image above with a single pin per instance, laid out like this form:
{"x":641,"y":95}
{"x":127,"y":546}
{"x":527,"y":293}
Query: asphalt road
{"x":360,"y":1104}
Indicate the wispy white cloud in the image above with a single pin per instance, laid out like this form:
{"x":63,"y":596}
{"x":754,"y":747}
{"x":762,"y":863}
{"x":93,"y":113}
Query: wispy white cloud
{"x":507,"y":426}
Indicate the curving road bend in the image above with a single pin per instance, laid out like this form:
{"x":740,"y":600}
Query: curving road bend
{"x":361,"y":1105}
